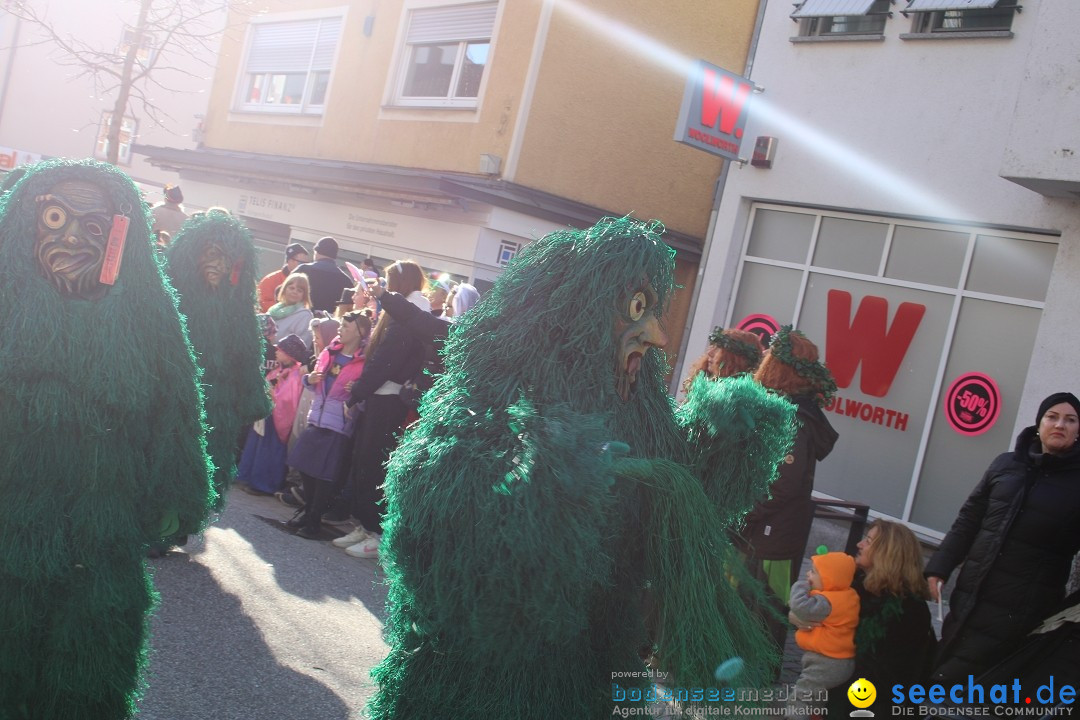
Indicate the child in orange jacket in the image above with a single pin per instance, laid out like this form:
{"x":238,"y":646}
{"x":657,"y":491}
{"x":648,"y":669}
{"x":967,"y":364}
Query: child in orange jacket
{"x":825,"y":608}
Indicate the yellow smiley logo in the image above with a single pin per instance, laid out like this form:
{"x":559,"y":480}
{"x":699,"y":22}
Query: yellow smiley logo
{"x":862,"y":693}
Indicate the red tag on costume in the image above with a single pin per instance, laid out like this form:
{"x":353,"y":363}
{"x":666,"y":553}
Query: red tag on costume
{"x":114,"y":249}
{"x":234,"y":278}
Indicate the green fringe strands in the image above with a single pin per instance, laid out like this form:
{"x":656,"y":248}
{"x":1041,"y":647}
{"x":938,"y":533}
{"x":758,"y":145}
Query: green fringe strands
{"x":530,"y":510}
{"x":224,"y":332}
{"x":101,"y":437}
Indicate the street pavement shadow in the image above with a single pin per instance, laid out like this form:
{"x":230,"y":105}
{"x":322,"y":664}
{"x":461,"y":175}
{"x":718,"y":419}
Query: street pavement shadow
{"x":209,"y":659}
{"x":309,"y":569}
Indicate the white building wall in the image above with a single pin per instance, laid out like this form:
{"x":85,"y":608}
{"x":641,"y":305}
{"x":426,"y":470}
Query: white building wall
{"x":922,"y":129}
{"x":907,"y":127}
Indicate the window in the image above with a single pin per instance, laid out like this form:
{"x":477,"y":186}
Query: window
{"x":945,"y":16}
{"x":446,"y":51}
{"x":128,"y":130}
{"x":842,"y":17}
{"x":289,"y":64}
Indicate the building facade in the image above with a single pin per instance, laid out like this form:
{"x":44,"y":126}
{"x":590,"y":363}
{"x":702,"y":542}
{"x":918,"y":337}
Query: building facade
{"x":455,"y":132}
{"x":920,"y":222}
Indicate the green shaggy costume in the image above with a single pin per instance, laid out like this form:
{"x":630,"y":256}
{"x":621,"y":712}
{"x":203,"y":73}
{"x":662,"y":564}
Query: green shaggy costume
{"x":101,"y":446}
{"x":522,"y":535}
{"x":223,"y":330}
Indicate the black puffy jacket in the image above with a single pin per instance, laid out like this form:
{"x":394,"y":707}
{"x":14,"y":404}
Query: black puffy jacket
{"x":1016,"y":535}
{"x":777,"y":528}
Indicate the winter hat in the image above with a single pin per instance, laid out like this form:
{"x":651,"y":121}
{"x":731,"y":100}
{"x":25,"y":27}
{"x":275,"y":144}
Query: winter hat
{"x":1056,"y":398}
{"x":293,"y":250}
{"x":327,"y":246}
{"x":836,"y":569}
{"x":294,"y":347}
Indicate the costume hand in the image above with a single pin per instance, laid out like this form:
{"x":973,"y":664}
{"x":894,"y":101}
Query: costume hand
{"x":933,"y":584}
{"x":170,"y":523}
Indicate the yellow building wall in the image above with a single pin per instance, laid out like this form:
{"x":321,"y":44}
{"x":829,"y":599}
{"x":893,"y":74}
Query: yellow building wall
{"x":603,"y":115}
{"x":358,"y":124}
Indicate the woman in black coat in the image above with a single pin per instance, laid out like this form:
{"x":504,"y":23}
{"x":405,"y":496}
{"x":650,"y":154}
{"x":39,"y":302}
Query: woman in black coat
{"x":1016,"y":535}
{"x":775,"y":532}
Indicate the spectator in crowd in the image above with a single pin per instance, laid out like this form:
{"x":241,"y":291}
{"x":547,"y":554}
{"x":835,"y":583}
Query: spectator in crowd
{"x":268,"y":331}
{"x":369,"y":268}
{"x":730,"y":352}
{"x":1016,"y":535}
{"x":394,"y":357}
{"x":345,"y":303}
{"x":438,"y":291}
{"x":323,"y":331}
{"x":895,"y":642}
{"x":327,"y":279}
{"x":461,"y":299}
{"x":262,"y":465}
{"x":292,"y":312}
{"x":295,"y":255}
{"x":169,"y":214}
{"x":775,"y":531}
{"x":324,"y":445}
{"x":825,"y":609}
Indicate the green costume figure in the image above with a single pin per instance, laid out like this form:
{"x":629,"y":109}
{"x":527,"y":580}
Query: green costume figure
{"x":549,"y":486}
{"x":102,"y":442}
{"x":211,"y":263}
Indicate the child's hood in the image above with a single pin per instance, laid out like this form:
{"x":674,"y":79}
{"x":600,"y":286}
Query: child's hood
{"x":836,"y":569}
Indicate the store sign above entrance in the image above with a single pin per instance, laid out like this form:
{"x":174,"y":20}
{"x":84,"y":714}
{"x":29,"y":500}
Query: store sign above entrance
{"x":714,"y":110}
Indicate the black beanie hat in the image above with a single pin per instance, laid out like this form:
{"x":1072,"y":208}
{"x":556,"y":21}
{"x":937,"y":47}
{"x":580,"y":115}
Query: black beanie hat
{"x":1056,"y":398}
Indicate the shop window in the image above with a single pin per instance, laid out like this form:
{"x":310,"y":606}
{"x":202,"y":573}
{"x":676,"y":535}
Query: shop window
{"x":955,"y":16}
{"x":445,"y":53}
{"x":288,"y":65}
{"x":821,"y":18}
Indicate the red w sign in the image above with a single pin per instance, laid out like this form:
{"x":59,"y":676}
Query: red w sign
{"x":868,"y":340}
{"x":713,"y":112}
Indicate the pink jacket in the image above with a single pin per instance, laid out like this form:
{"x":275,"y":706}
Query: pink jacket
{"x":287,"y":384}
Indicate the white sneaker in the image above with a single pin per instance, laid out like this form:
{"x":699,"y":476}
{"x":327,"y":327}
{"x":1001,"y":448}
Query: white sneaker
{"x":368,"y":548}
{"x":352,"y":538}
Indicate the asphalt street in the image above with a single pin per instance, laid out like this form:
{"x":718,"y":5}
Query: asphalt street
{"x":255,"y":623}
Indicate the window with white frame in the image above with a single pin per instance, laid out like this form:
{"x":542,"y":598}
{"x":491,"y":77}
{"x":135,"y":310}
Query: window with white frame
{"x":129,"y":128}
{"x":819,"y":18}
{"x":445,"y":53}
{"x":951,"y":16}
{"x":288,"y":65}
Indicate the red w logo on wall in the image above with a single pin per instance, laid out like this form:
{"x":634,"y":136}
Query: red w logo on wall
{"x":868,"y":339}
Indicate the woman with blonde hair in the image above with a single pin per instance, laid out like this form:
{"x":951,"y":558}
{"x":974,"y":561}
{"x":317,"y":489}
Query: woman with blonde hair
{"x":894,"y":642}
{"x":292,"y":311}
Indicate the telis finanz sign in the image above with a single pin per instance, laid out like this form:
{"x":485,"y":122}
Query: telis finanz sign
{"x":713,"y":112}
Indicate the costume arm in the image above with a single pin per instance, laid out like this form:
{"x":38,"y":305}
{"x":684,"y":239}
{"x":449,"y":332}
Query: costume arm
{"x":702,"y":589}
{"x":808,"y":608}
{"x":738,"y":434}
{"x":954,"y":548}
